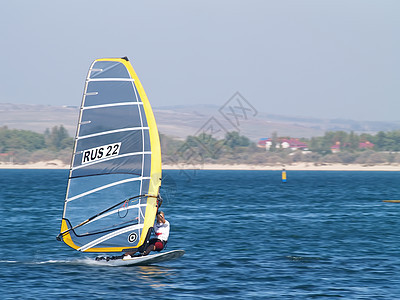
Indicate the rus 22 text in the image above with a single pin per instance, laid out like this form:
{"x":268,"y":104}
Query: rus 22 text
{"x":101,"y":152}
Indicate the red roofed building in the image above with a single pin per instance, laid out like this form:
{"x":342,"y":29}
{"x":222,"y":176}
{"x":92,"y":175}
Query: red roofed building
{"x":366,"y":145}
{"x":9,"y":155}
{"x":336,"y":148}
{"x":263,"y":142}
{"x":293,"y":144}
{"x":362,"y":145}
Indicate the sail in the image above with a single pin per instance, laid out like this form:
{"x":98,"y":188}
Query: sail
{"x":115,"y":174}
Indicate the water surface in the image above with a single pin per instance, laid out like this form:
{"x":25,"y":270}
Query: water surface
{"x":323,"y":234}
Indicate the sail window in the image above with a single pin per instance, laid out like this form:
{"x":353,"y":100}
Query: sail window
{"x":103,"y":92}
{"x":110,"y":118}
{"x":107,"y":69}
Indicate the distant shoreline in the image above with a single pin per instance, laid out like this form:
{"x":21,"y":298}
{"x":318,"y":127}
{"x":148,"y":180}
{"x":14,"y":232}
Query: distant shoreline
{"x":57,"y":164}
{"x":293,"y":167}
{"x":52,"y":164}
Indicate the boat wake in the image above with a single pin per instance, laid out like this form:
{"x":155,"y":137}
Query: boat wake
{"x":78,"y":261}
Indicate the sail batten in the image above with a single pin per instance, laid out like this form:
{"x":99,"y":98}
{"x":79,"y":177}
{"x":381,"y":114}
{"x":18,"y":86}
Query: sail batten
{"x":110,"y":132}
{"x":114,"y":104}
{"x":111,"y":79}
{"x":108,"y":236}
{"x":105,"y":187}
{"x":116,"y":158}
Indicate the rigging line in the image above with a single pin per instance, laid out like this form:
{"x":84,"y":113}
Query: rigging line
{"x":109,"y":158}
{"x":116,"y":211}
{"x":101,"y":213}
{"x":113,"y":105}
{"x":110,"y":132}
{"x":103,"y":187}
{"x":122,"y":225}
{"x":111,"y":228}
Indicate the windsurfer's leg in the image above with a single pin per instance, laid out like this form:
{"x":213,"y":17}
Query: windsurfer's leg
{"x":149,"y":249}
{"x":131,"y":252}
{"x":156,"y":245}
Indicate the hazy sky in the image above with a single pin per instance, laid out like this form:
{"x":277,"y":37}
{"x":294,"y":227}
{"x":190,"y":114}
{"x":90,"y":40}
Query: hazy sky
{"x":330,"y":59}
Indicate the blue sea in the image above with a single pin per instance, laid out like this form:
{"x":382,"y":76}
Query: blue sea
{"x":247,"y":235}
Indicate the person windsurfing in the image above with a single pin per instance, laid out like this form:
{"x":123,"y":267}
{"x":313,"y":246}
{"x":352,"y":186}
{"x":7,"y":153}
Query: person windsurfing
{"x":161,"y":231}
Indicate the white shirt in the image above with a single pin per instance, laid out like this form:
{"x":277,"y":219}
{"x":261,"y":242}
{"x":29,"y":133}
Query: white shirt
{"x":162,"y":230}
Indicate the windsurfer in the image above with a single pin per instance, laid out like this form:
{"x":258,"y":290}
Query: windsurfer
{"x":161,"y":230}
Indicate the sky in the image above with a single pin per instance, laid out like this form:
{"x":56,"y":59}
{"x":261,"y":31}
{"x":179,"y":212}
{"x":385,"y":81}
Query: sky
{"x":321,"y":58}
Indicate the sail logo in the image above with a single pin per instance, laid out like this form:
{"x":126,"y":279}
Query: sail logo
{"x":132,"y":237}
{"x":100,"y":152}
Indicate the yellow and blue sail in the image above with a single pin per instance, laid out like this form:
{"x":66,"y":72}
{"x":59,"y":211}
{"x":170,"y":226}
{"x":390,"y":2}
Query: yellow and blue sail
{"x":115,"y":174}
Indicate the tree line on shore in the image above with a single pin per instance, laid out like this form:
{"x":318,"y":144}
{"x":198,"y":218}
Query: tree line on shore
{"x":23,"y":146}
{"x":237,"y":149}
{"x":382,"y":141}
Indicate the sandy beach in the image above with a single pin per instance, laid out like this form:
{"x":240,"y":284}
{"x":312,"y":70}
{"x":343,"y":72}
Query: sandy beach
{"x":57,"y":164}
{"x":293,"y":167}
{"x":52,"y":164}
